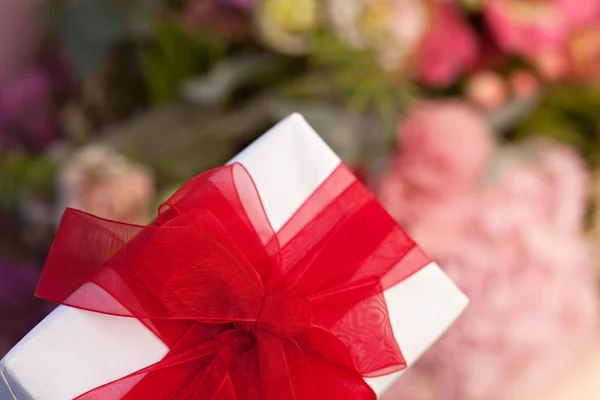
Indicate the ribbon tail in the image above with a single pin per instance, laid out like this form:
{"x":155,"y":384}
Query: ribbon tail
{"x":274,"y":371}
{"x":214,"y":384}
{"x":331,"y":381}
{"x":357,"y":316}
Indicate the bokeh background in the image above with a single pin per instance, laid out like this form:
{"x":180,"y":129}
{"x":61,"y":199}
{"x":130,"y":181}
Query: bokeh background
{"x":476,"y":123}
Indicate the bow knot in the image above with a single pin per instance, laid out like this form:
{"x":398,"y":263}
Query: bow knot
{"x":284,"y":316}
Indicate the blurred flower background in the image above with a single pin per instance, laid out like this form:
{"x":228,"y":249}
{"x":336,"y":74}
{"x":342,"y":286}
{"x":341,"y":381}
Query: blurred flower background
{"x":476,"y":123}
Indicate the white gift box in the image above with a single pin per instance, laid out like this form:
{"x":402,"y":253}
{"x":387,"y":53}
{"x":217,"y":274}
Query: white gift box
{"x":73,"y":351}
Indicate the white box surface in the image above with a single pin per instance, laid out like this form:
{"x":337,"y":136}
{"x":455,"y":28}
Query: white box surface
{"x":73,"y":351}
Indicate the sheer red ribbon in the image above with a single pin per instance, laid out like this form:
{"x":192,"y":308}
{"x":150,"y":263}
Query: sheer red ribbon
{"x":247,"y":313}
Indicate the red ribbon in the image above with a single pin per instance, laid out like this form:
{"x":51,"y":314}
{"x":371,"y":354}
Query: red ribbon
{"x":246,"y":312}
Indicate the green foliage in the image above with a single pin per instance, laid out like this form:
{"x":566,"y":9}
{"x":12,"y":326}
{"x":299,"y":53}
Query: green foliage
{"x":571,"y":114}
{"x":88,"y":29}
{"x":176,"y":3}
{"x":22,"y":175}
{"x":356,"y":75}
{"x":175,"y":56}
{"x":472,"y":5}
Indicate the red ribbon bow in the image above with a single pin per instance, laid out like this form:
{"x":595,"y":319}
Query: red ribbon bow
{"x":246,"y":312}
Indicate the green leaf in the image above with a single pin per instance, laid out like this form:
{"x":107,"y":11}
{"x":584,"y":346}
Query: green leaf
{"x":22,"y":175}
{"x":88,"y":29}
{"x":568,"y":113}
{"x":175,"y":57}
{"x":356,"y":76}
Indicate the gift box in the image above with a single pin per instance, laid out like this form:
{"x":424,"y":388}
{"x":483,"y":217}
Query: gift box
{"x":74,"y":351}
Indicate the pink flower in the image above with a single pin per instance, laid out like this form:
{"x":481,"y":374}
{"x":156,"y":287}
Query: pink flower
{"x":514,"y":247}
{"x":445,"y":146}
{"x":577,"y":59}
{"x":524,"y":83}
{"x":516,"y":199}
{"x":102,"y":182}
{"x":443,"y":226}
{"x":449,"y":47}
{"x":487,"y":90}
{"x":437,"y":222}
{"x":584,"y":53}
{"x":553,"y":64}
{"x":551,"y":189}
{"x":580,"y":13}
{"x":533,"y":315}
{"x":522,"y":26}
{"x":541,"y":29}
{"x":569,"y":181}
